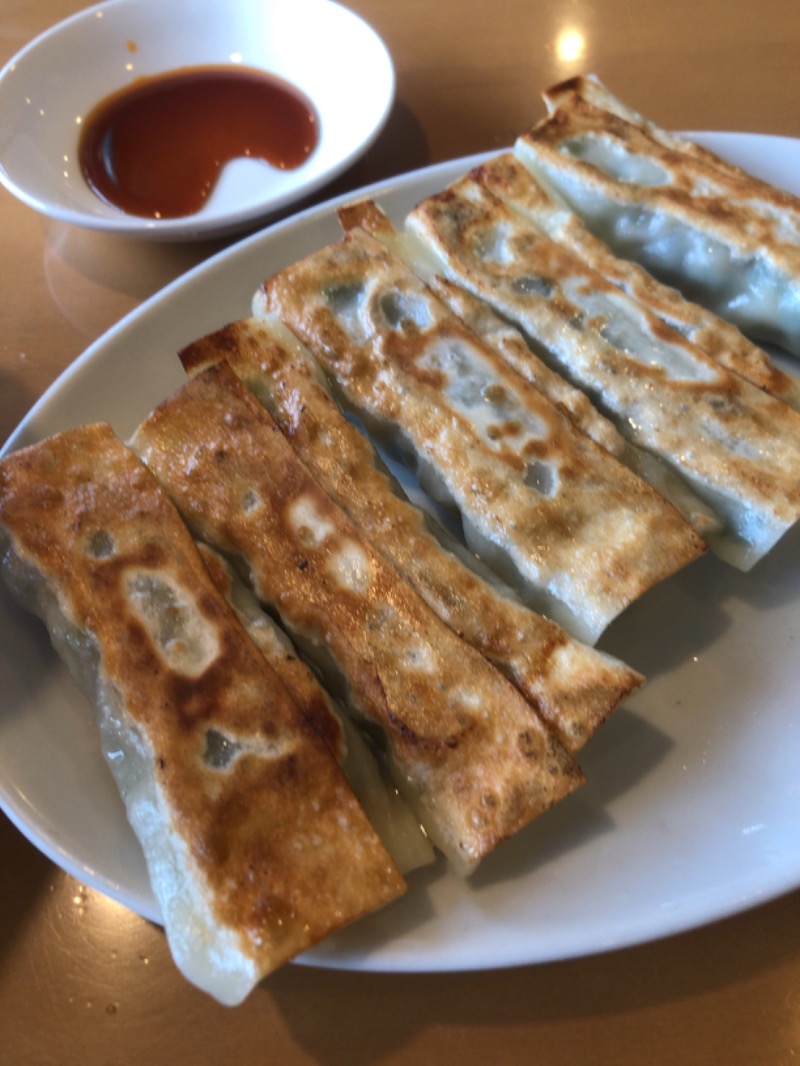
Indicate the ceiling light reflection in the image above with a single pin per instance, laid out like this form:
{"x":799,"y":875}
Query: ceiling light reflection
{"x":570,"y":46}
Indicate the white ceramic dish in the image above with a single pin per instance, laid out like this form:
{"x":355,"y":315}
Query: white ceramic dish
{"x":321,"y":48}
{"x":692,"y":810}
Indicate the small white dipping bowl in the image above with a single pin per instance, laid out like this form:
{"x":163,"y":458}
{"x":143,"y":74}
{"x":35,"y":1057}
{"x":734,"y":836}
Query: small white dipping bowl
{"x":321,"y":48}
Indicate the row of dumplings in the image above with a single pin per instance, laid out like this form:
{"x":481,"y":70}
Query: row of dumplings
{"x":591,"y":431}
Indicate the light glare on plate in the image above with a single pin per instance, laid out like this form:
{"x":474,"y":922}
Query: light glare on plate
{"x":570,"y":45}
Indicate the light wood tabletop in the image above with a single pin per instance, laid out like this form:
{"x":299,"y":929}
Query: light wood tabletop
{"x":84,"y":981}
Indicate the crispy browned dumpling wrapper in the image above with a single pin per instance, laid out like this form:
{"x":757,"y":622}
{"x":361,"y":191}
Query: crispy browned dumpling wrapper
{"x":721,"y":235}
{"x":736,"y":446}
{"x":575,"y":532}
{"x":468,"y":751}
{"x":508,"y":178}
{"x":255,"y":844}
{"x":573,"y":687}
{"x":510,"y":343}
{"x":391,"y":817}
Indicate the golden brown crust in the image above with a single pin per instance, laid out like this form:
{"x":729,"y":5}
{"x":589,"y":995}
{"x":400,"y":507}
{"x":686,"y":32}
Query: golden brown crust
{"x":269,"y":830}
{"x":398,"y":828}
{"x":738,"y":446}
{"x":753,"y":276}
{"x":480,"y":762}
{"x":573,"y":688}
{"x":480,"y":318}
{"x":295,"y":676}
{"x":590,"y":89}
{"x":594,"y":539}
{"x":509,"y":179}
{"x":574,"y":113}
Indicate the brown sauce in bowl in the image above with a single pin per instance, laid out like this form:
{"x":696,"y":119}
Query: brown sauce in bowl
{"x":156,"y":148}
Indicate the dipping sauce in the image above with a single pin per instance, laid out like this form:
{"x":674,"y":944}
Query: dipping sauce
{"x":156,"y":148}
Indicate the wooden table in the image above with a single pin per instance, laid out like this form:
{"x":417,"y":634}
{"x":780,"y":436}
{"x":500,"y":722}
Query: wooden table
{"x":83,"y":981}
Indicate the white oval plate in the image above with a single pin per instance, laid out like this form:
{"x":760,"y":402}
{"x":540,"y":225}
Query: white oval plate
{"x":692,"y":807}
{"x":321,"y":48}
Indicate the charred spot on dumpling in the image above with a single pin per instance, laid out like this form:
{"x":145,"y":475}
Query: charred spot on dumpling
{"x":532,"y":285}
{"x":100,"y":544}
{"x":724,"y":405}
{"x":220,"y":750}
{"x":528,"y":744}
{"x":495,"y":394}
{"x":541,"y":477}
{"x":251,"y":501}
{"x":503,"y":431}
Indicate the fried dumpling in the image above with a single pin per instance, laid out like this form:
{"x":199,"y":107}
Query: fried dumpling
{"x":569,"y":527}
{"x":467,"y":751}
{"x":737,"y":447}
{"x":481,"y":320}
{"x":391,"y":817}
{"x":255,"y":844}
{"x":511,"y":344}
{"x":508,"y":177}
{"x":722,"y":236}
{"x":574,"y":688}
